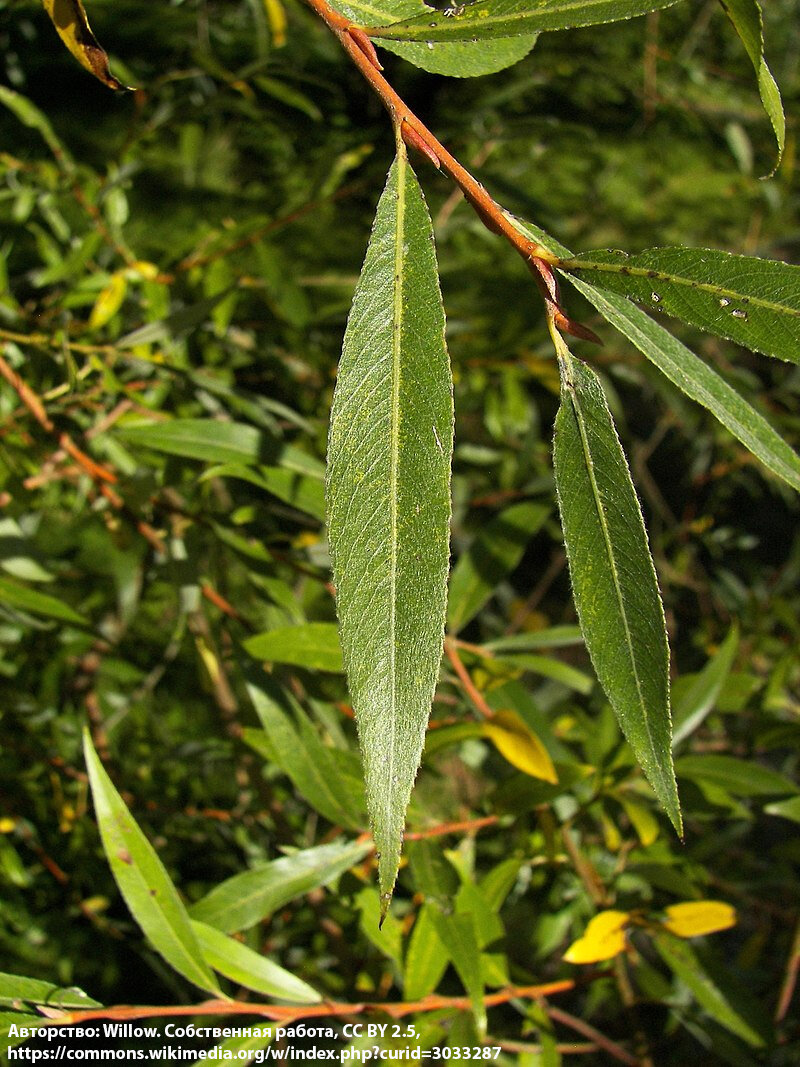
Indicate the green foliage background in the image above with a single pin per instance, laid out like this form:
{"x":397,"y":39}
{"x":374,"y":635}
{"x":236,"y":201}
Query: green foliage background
{"x":248,"y":174}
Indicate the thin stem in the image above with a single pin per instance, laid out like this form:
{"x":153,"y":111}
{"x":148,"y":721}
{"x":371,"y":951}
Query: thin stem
{"x":291,"y":1013}
{"x":416,"y":134}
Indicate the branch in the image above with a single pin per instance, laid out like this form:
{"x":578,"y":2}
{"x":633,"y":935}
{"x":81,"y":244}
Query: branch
{"x":289,"y":1013}
{"x":417,"y":135}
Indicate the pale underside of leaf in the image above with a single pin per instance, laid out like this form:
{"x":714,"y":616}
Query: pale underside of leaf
{"x":69,"y":19}
{"x":489,"y":19}
{"x":614,"y":581}
{"x":388,"y":493}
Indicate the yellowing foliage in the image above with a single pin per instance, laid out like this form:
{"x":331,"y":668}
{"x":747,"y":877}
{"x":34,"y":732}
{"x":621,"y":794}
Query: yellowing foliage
{"x":515,"y":741}
{"x":604,"y":938}
{"x":696,"y":917}
{"x":69,"y":19}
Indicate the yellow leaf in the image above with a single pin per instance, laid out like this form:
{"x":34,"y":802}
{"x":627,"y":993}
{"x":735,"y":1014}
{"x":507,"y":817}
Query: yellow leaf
{"x":603,"y":939}
{"x":109,"y":301}
{"x":7,"y":825}
{"x":70,"y":20}
{"x":641,"y":818}
{"x":276,"y":17}
{"x":696,"y":917}
{"x":519,"y":745}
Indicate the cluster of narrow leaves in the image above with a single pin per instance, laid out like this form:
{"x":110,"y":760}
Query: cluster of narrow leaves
{"x":390,"y":441}
{"x":392,"y":421}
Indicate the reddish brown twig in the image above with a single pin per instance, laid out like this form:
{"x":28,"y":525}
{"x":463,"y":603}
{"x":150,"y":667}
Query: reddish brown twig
{"x":463,"y":676}
{"x":287,"y":1014}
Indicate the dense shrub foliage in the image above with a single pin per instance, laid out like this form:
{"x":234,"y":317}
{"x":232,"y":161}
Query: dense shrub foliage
{"x":178,"y":265}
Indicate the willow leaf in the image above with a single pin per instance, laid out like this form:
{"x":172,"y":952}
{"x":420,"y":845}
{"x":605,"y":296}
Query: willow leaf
{"x":144,"y":883}
{"x":749,"y":24}
{"x":458,"y":59}
{"x":613,"y":578}
{"x":69,"y":19}
{"x":755,"y":302}
{"x":388,"y":493}
{"x":697,"y":380}
{"x":490,"y":19}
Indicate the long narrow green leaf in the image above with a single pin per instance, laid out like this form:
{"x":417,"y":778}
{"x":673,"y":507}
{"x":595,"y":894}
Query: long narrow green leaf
{"x":388,"y":494}
{"x":684,"y":963}
{"x":685,"y":370}
{"x":16,"y":991}
{"x":457,"y":934}
{"x":460,"y":59}
{"x":754,"y":302}
{"x":699,"y":698}
{"x":308,"y":762}
{"x":19,"y":596}
{"x":245,"y":899}
{"x":314,"y":645}
{"x":143,"y":881}
{"x":697,"y":380}
{"x":489,"y":19}
{"x":749,"y":24}
{"x":613,"y":578}
{"x":426,"y":959}
{"x":241,"y":964}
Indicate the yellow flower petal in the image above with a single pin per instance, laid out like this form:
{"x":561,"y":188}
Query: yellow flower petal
{"x":603,"y":939}
{"x":696,"y":917}
{"x":514,"y":740}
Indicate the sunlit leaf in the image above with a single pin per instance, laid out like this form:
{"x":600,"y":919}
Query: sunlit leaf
{"x":519,"y":745}
{"x":245,"y":899}
{"x":19,"y":596}
{"x":143,"y":880}
{"x":247,"y":968}
{"x":69,"y":18}
{"x":109,"y":301}
{"x":488,"y":19}
{"x":460,"y":59}
{"x":693,"y":918}
{"x":755,"y":302}
{"x":314,"y":645}
{"x":388,"y":494}
{"x":603,"y":939}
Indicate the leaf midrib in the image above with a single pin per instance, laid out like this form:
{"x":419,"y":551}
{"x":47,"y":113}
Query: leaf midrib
{"x":492,"y":20}
{"x":397,"y":320}
{"x":655,"y":275}
{"x":611,"y":557}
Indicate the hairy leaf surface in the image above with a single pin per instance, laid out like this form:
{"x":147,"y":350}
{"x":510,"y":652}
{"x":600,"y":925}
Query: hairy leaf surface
{"x":613,"y":578}
{"x":388,"y":494}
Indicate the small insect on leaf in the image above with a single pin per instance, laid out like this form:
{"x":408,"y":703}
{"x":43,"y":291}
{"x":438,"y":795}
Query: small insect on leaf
{"x":69,"y":18}
{"x":604,"y":938}
{"x":694,"y":918}
{"x":519,"y":745}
